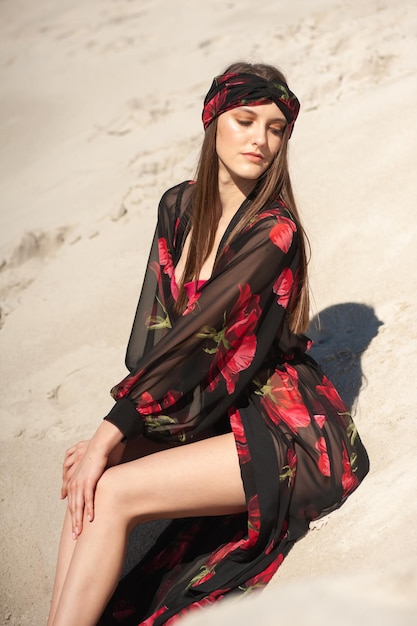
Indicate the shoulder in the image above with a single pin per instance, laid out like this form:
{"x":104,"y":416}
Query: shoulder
{"x":175,"y":199}
{"x":273,"y":224}
{"x":269,"y":217}
{"x":276,"y":211}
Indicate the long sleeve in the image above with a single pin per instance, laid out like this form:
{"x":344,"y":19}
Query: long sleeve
{"x":193,"y":366}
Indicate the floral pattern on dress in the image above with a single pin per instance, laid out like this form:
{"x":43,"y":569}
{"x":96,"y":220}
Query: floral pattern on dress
{"x":231,"y":358}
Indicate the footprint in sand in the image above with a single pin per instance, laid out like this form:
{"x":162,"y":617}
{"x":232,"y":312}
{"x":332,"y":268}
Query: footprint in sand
{"x":34,"y":246}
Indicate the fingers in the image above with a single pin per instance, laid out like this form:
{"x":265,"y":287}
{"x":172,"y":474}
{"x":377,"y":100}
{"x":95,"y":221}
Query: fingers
{"x":82,"y":469}
{"x":72,"y":457}
{"x":80,"y":503}
{"x":89,"y":503}
{"x":81,"y":494}
{"x":66,"y":477}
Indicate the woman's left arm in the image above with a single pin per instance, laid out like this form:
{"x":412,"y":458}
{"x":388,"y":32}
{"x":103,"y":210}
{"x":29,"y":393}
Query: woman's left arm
{"x":190,"y":377}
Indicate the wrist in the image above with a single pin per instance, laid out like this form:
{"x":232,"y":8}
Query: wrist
{"x":106,"y":437}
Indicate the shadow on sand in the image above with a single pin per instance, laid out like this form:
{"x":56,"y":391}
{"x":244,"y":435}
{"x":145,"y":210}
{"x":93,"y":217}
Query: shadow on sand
{"x":341,"y":334}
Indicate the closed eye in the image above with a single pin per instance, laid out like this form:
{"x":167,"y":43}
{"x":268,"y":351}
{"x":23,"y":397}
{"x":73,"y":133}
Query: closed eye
{"x":278,"y":132}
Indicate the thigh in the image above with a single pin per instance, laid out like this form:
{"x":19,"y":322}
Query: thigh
{"x":140,"y":446}
{"x":201,"y":478}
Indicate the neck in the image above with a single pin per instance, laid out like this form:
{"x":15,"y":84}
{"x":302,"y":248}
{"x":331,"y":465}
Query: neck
{"x":232,"y":193}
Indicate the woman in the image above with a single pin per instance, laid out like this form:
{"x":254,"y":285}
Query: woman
{"x":224,"y":424}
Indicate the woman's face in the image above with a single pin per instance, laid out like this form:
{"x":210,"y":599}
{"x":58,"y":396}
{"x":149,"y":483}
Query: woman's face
{"x":247,"y":140}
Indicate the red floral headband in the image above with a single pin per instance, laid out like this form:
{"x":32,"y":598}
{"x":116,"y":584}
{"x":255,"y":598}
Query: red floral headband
{"x":229,"y":91}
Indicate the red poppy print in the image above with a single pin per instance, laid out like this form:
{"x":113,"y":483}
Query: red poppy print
{"x":200,"y":604}
{"x":349,"y":480}
{"x":328,"y":390}
{"x":151,"y":620}
{"x":283,"y":402}
{"x":324,"y":461}
{"x":281,"y":234}
{"x":122,"y":389}
{"x":263,"y":578}
{"x":236,"y":342}
{"x":192,"y":303}
{"x":222,"y":552}
{"x":213,"y":107}
{"x":282,"y":287}
{"x":320,"y":420}
{"x":173,"y":553}
{"x":240,"y":437}
{"x":147,"y":405}
{"x":165,"y":258}
{"x":267,"y":213}
{"x":254,"y":520}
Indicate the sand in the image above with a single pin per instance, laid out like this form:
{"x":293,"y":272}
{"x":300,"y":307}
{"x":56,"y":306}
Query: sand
{"x":100,"y":108}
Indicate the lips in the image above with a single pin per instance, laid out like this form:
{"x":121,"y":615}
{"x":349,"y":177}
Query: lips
{"x":253,"y":156}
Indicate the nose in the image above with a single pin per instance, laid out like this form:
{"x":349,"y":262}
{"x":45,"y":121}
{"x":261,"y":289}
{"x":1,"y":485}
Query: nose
{"x":259,"y":135}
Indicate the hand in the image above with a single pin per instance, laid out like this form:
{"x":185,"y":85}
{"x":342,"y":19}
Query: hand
{"x":84,"y":465}
{"x":73,"y":457}
{"x":80,"y":489}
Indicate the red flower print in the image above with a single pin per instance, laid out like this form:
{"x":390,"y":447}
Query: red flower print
{"x":320,"y":419}
{"x":192,"y":303}
{"x":211,"y":109}
{"x":235,"y":342}
{"x":242,"y":352}
{"x":122,"y":389}
{"x":165,"y":257}
{"x":281,"y":234}
{"x":282,"y":286}
{"x":282,"y":400}
{"x":263,"y":578}
{"x":147,"y":405}
{"x":173,"y":554}
{"x":324,"y":461}
{"x":240,"y":437}
{"x":213,"y":597}
{"x":151,"y":619}
{"x":349,"y":480}
{"x":254,"y":520}
{"x":222,"y":552}
{"x":328,"y":390}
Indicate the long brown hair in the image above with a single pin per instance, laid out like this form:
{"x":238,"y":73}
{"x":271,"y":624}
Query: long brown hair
{"x":274,"y":183}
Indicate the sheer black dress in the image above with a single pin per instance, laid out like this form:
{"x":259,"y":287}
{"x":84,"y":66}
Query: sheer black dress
{"x":230,"y":362}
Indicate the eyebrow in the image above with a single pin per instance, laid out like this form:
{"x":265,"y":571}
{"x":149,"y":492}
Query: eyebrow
{"x":253,"y":112}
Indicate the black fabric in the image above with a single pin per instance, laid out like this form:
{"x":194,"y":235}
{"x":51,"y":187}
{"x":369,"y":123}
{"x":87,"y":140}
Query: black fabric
{"x":230,"y":357}
{"x":232,"y":90}
{"x":124,"y":416}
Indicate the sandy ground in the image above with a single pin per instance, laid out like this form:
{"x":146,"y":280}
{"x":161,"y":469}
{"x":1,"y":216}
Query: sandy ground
{"x":100,"y":107}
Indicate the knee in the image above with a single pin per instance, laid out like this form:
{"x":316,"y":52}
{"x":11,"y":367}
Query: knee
{"x":113,"y":494}
{"x":109,"y":489}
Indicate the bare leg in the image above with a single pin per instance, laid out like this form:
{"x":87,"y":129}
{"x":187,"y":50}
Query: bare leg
{"x":135,"y":449}
{"x":66,"y":549}
{"x":201,"y":478}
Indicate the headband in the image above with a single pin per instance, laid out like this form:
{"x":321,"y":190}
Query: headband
{"x":231,"y":90}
